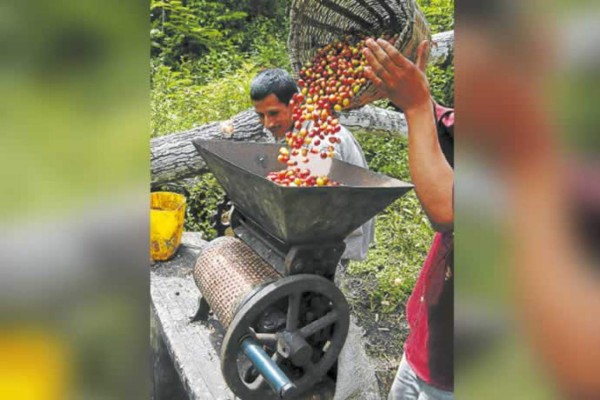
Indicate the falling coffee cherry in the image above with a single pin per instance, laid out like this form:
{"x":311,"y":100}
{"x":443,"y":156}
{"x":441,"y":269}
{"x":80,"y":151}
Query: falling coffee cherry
{"x":328,"y":84}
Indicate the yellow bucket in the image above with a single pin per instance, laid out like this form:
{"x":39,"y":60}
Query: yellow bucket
{"x":167,"y":211}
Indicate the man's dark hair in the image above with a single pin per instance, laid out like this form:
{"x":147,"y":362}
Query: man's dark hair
{"x":273,"y":81}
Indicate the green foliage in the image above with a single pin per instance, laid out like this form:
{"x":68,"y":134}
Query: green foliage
{"x":402,"y":232}
{"x":197,"y":78}
{"x":439,"y":14}
{"x":203,"y":195}
{"x":192,"y":29}
{"x":441,"y":83}
{"x":268,"y":47}
{"x":178,"y":103}
{"x":180,"y":29}
{"x":200,"y":92}
{"x":202,"y":200}
{"x":402,"y":238}
{"x":385,"y":153}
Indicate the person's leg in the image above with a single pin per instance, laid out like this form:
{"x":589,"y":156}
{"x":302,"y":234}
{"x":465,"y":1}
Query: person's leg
{"x":343,"y":266}
{"x":429,"y":392}
{"x":340,"y":272}
{"x":406,"y":384}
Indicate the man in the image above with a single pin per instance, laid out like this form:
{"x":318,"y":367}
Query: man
{"x":426,"y":369}
{"x":271,"y":91}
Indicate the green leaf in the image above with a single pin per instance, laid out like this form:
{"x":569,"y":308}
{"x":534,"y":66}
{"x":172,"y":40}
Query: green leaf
{"x":232,"y":16}
{"x":158,"y":4}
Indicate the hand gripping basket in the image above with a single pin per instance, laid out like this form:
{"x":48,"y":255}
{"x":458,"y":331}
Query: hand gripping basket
{"x":316,"y":23}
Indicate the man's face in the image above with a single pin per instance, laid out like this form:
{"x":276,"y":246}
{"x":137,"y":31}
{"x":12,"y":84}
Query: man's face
{"x":274,"y":115}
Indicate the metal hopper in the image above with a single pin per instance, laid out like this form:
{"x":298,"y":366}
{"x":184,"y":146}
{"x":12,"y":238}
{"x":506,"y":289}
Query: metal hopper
{"x":298,"y":215}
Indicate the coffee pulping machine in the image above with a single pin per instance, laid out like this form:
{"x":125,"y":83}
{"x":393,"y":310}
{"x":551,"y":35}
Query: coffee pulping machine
{"x":271,"y":286}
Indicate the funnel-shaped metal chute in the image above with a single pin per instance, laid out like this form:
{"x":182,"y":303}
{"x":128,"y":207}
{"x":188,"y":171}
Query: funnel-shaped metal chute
{"x":298,"y":215}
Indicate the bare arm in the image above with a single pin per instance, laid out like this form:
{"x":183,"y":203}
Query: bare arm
{"x":430,"y":172}
{"x":406,"y":85}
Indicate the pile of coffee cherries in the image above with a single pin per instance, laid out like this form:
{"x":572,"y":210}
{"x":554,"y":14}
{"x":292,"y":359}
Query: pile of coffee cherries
{"x":327,"y":85}
{"x":297,"y":176}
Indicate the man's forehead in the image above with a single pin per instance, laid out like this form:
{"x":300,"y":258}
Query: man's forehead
{"x":267,"y":108}
{"x":269,"y":103}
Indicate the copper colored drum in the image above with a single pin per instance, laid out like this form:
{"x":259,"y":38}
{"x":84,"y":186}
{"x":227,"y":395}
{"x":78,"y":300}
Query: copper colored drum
{"x":226,"y":272}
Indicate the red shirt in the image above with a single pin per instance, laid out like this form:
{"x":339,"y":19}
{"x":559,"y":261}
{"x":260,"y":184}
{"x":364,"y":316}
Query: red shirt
{"x":430,"y":312}
{"x":430,"y":309}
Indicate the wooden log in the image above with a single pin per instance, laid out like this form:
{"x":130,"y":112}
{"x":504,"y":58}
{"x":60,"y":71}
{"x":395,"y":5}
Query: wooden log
{"x":442,"y":49}
{"x":173,"y":157}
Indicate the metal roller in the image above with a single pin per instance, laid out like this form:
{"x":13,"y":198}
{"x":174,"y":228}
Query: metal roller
{"x":226,"y":272}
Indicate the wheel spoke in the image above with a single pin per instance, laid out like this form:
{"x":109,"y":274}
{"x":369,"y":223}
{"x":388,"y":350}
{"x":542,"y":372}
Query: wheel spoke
{"x":315,"y":326}
{"x":267,"y":339}
{"x":293,"y":312}
{"x":276,"y":357}
{"x":259,"y":382}
{"x":249,"y":375}
{"x":263,"y":383}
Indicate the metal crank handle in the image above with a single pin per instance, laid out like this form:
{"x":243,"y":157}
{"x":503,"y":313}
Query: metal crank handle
{"x":268,"y":368}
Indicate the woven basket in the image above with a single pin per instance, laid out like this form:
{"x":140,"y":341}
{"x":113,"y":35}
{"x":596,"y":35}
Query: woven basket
{"x":316,"y":23}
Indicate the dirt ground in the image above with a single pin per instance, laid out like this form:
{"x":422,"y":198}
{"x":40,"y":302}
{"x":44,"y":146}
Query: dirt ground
{"x":384,"y":333}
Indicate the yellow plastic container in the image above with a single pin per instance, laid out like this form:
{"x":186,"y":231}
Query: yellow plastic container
{"x":167,"y":214}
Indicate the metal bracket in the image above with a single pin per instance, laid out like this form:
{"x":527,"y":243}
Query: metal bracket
{"x":202,"y":312}
{"x":321,"y":259}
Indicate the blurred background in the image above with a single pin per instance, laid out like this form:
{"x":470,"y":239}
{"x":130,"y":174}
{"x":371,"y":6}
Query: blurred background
{"x":527,"y":200}
{"x":74,"y":205}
